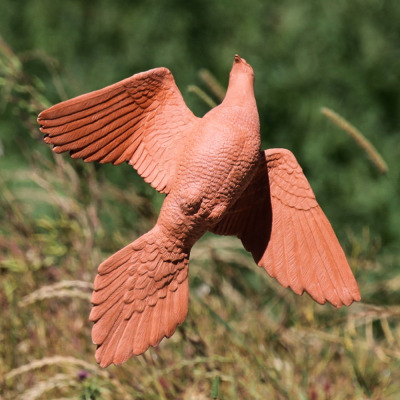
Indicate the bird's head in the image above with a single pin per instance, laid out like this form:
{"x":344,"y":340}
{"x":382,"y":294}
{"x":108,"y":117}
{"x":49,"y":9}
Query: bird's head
{"x":240,"y":66}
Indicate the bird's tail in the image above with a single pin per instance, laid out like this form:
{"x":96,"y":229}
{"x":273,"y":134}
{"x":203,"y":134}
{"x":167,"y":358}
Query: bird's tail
{"x":140,"y":296}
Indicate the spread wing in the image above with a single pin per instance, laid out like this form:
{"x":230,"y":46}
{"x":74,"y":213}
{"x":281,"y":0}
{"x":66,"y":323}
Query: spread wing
{"x":140,"y":120}
{"x":280,"y":222}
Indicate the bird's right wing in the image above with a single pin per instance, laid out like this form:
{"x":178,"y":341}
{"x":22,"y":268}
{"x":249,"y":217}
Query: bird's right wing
{"x":280,"y":222}
{"x":140,"y":120}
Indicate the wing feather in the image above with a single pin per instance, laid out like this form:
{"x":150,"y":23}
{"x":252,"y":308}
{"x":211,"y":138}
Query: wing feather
{"x":140,"y":120}
{"x":280,"y":222}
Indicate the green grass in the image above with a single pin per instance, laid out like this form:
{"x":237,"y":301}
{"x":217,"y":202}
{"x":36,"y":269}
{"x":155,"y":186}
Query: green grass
{"x":245,"y":336}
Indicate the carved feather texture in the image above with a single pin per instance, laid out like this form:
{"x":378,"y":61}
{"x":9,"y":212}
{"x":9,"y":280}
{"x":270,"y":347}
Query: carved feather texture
{"x":280,"y":222}
{"x":216,"y":178}
{"x":139,"y":297}
{"x":140,"y":120}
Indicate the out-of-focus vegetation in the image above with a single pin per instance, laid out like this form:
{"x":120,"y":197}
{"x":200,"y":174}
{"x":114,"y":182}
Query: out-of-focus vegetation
{"x":245,"y":337}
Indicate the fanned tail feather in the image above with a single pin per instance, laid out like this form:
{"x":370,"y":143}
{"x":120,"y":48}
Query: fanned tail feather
{"x":140,"y":296}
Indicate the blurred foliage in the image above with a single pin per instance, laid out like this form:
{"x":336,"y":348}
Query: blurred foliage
{"x":340,"y":54}
{"x":59,"y":218}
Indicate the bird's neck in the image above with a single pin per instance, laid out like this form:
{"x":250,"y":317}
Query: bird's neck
{"x":240,"y":91}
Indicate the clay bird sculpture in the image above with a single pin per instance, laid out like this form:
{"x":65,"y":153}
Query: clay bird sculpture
{"x":217,"y":179}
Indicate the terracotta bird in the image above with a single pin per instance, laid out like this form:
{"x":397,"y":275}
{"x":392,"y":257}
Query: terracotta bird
{"x":217,"y":179}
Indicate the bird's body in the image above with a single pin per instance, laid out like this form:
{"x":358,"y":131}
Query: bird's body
{"x":215,"y":163}
{"x":216,"y":179}
{"x":210,"y":178}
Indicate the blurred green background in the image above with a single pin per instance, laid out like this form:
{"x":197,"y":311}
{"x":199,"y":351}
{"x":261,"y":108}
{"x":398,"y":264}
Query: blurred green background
{"x":59,"y":218}
{"x":340,"y":54}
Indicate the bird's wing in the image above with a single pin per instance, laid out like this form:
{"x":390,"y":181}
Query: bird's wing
{"x":140,"y":120}
{"x":280,"y":222}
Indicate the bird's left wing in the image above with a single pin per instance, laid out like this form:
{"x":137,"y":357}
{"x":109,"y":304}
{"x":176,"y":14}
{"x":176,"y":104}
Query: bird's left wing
{"x":280,"y":222}
{"x":140,"y":120}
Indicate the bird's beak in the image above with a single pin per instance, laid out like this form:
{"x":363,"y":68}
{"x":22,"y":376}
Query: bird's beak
{"x":239,"y":60}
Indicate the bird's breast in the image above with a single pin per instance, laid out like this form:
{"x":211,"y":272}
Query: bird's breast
{"x":216,"y":164}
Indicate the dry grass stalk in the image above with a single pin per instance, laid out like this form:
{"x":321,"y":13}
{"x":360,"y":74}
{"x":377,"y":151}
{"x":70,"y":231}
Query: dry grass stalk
{"x":58,"y":381}
{"x":205,"y":97}
{"x":213,"y":84}
{"x":375,"y":312}
{"x":55,"y":361}
{"x":358,"y":137}
{"x":60,"y":289}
